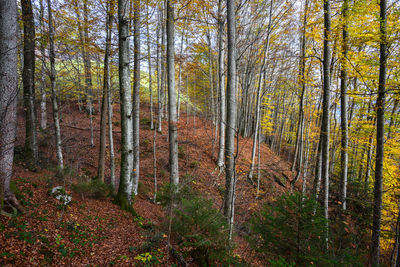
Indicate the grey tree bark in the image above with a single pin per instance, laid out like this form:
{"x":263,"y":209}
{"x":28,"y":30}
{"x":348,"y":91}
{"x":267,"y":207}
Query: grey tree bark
{"x":136,"y":96}
{"x":104,"y":99}
{"x":84,"y":39}
{"x":150,"y":75}
{"x":229,"y":197}
{"x":43,"y":106}
{"x":380,"y":138}
{"x":343,"y":107}
{"x":56,"y":120}
{"x":125,"y":183}
{"x":172,"y":121}
{"x":221,"y":87}
{"x":8,"y":98}
{"x":325,"y":128}
{"x":28,"y":79}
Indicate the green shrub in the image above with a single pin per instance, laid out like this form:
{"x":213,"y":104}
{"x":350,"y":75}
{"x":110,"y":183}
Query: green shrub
{"x":194,"y":164}
{"x":291,"y":228}
{"x":200,"y":230}
{"x":94,"y":188}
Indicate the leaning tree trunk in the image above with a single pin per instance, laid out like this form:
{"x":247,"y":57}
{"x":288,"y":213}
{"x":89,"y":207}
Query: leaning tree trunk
{"x":229,"y":198}
{"x":221,"y":87}
{"x":106,"y":85}
{"x":8,"y":97}
{"x":172,"y":122}
{"x":56,"y":119}
{"x":136,"y":96}
{"x":380,"y":139}
{"x":343,"y":108}
{"x":325,"y":129}
{"x":28,"y":79}
{"x":125,"y":183}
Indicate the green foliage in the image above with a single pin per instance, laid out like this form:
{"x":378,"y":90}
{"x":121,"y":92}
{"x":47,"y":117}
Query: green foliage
{"x":200,"y":230}
{"x":194,"y":164}
{"x":288,"y":228}
{"x":181,"y":152}
{"x":94,"y":188}
{"x":291,"y":231}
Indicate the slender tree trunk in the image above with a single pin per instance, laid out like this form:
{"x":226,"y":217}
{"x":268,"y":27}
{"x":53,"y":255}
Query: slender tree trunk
{"x":84,"y":39}
{"x":28,"y":79}
{"x":343,"y":108}
{"x":150,"y":75}
{"x":8,"y":97}
{"x":229,"y":198}
{"x":56,"y":120}
{"x":172,"y":122}
{"x":136,"y":96}
{"x":380,"y":136}
{"x":180,"y":72}
{"x":221,"y":87}
{"x":162,"y":72}
{"x":325,"y":129}
{"x":110,"y":132}
{"x":125,"y":183}
{"x":106,"y":85}
{"x":43,"y":108}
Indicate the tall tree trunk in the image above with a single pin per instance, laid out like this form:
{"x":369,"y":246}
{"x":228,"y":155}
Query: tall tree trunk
{"x":56,"y":119}
{"x":149,"y":63}
{"x":162,"y":72}
{"x":258,"y":103}
{"x":343,"y":108}
{"x":84,"y":39}
{"x":172,"y":121}
{"x":125,"y":183}
{"x":8,"y":97}
{"x":221,"y":86}
{"x":28,"y":79}
{"x":106,"y":85}
{"x":110,"y":132}
{"x":380,"y":136}
{"x":300,"y":125}
{"x":325,"y":129}
{"x":136,"y":96}
{"x":43,"y":108}
{"x":229,"y":198}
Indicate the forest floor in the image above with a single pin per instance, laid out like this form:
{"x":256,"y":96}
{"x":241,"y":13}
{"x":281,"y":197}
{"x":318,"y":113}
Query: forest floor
{"x":90,"y":232}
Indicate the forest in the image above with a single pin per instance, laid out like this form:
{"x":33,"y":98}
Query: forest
{"x":200,"y":133}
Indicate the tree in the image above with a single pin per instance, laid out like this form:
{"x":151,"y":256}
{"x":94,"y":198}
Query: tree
{"x":221,"y":86}
{"x":125,"y":182}
{"x":325,"y":128}
{"x":106,"y":87}
{"x":8,"y":98}
{"x":56,"y":120}
{"x":343,"y":106}
{"x":28,"y":76}
{"x":43,"y":107}
{"x":172,"y":112}
{"x":229,"y":198}
{"x":380,"y":137}
{"x":136,"y":95}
